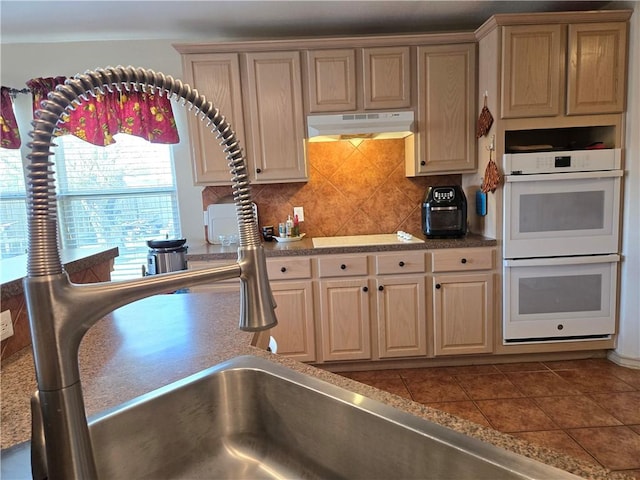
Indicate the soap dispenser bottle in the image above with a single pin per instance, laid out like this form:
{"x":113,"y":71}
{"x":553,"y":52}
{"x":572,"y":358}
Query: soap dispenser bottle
{"x":289,"y":226}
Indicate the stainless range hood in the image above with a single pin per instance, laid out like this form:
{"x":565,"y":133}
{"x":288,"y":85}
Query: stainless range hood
{"x":346,"y":126}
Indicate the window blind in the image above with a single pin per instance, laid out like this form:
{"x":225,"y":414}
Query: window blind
{"x":120,"y":195}
{"x":13,"y":208}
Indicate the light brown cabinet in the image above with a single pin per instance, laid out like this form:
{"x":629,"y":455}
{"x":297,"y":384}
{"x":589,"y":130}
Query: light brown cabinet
{"x":446,"y":110}
{"x":295,"y":332}
{"x":347,"y":79}
{"x":263,"y":104}
{"x":275,"y":118}
{"x":462,"y":303}
{"x":597,"y":68}
{"x":332,"y":80}
{"x":217,"y":76}
{"x":344,"y":308}
{"x":557,"y":69}
{"x":290,"y":280}
{"x":386,"y":78}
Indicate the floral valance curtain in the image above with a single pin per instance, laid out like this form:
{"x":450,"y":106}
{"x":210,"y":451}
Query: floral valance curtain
{"x":8,"y":126}
{"x":97,"y":119}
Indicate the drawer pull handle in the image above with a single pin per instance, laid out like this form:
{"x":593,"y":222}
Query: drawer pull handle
{"x":464,"y":260}
{"x":401,"y":263}
{"x":381,"y":287}
{"x":283,"y":269}
{"x":438,"y":286}
{"x":365,"y":289}
{"x":343,"y":267}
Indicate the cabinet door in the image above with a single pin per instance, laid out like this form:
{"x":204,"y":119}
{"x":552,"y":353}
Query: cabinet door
{"x":463,"y":314}
{"x":275,"y":116}
{"x":332,"y":80}
{"x":294,"y":333}
{"x":401,"y":316}
{"x":344,"y":320}
{"x":597,"y":68}
{"x":387,"y":79}
{"x":533,"y":71}
{"x":446,"y":112}
{"x":217,"y":76}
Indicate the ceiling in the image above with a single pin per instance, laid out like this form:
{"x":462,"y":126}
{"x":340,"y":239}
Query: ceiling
{"x":25,"y":21}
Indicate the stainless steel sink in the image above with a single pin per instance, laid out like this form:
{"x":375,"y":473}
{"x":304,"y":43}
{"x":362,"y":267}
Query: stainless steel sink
{"x":252,"y":419}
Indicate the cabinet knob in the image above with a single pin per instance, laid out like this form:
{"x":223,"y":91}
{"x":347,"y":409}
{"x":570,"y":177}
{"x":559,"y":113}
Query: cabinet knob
{"x":283,"y":269}
{"x":560,"y":326}
{"x":365,"y":289}
{"x":343,"y":267}
{"x":438,"y":286}
{"x":401,"y":263}
{"x":423,"y":163}
{"x":464,"y":260}
{"x":258,"y":170}
{"x":381,"y":287}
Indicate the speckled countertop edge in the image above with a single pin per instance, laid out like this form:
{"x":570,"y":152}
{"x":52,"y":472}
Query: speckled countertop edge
{"x":305,"y":246}
{"x":107,"y":384}
{"x":74,"y":259}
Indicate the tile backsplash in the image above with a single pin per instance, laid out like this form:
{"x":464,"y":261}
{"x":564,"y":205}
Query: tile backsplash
{"x":354,"y":188}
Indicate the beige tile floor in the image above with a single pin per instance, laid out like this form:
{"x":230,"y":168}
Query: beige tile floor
{"x":589,"y":409}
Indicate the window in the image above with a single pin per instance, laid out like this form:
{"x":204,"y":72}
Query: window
{"x":120,"y":195}
{"x":13,"y":207}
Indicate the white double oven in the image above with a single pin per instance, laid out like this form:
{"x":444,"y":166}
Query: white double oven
{"x":561,"y":245}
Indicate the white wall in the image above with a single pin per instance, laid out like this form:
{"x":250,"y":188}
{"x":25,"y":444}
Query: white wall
{"x":628,"y":348}
{"x":21,"y":62}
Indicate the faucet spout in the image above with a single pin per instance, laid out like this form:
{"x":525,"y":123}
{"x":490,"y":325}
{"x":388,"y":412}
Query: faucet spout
{"x":60,"y":313}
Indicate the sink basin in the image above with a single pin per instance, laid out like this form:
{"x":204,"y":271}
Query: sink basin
{"x":363,"y":240}
{"x":252,"y":419}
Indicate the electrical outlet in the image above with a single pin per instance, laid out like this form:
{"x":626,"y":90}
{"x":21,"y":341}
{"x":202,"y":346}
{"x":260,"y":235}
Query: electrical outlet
{"x":6,"y":326}
{"x":299,"y":211}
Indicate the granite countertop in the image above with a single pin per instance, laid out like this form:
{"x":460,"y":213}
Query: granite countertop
{"x":161,"y":339}
{"x":14,"y":269}
{"x":204,"y":252}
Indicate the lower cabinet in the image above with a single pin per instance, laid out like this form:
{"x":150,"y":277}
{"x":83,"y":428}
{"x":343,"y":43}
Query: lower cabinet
{"x":463,"y":302}
{"x":344,"y":319}
{"x":290,"y":280}
{"x":344,"y":308}
{"x":294,"y":333}
{"x":334,"y":308}
{"x":401,"y":317}
{"x":401,"y":304}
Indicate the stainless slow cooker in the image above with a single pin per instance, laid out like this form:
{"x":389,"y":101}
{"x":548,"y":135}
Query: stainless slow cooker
{"x":166,"y":256}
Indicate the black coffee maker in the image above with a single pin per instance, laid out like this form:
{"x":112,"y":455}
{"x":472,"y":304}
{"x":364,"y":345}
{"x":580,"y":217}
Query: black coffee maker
{"x":444,"y":212}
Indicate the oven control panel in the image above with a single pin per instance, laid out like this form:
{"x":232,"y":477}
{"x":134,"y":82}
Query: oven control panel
{"x":560,"y":162}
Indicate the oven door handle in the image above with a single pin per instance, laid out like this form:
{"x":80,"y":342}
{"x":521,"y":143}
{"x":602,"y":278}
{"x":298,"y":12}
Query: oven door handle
{"x":582,"y":260}
{"x":547,"y":177}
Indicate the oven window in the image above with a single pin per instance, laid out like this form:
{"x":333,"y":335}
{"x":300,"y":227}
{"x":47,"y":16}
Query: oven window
{"x":554,"y":212}
{"x":571,"y":293}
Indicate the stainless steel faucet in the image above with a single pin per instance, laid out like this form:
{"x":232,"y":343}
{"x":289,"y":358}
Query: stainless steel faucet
{"x":60,"y":312}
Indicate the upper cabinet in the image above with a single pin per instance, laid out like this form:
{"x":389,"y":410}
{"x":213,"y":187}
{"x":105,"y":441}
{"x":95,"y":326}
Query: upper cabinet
{"x":563,"y":69}
{"x":532,"y":58}
{"x":349,"y":79}
{"x":597,"y":68}
{"x":446,"y":109}
{"x":260,"y":94}
{"x":332,"y":80}
{"x":276,"y":122}
{"x":217,"y":77}
{"x":386,"y":78}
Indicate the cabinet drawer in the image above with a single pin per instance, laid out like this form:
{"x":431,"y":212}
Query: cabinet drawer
{"x":342,"y":266}
{"x":288,"y":268}
{"x":402,"y":262}
{"x":462,"y":259}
